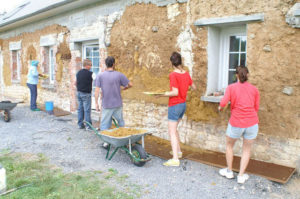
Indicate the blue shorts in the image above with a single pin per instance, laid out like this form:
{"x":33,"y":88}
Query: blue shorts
{"x":176,"y":112}
{"x":249,"y":133}
{"x":106,"y":117}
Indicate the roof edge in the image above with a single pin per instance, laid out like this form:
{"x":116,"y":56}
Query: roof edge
{"x":38,"y":12}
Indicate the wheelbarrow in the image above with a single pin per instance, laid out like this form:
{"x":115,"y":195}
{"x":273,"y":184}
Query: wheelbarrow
{"x":6,"y":107}
{"x":129,"y":144}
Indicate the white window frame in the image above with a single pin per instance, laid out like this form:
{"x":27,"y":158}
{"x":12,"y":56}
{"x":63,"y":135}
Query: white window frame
{"x":84,"y":46}
{"x":18,"y":61}
{"x":19,"y":64}
{"x":224,"y":53}
{"x":218,"y":58}
{"x":51,"y":66}
{"x":91,"y":45}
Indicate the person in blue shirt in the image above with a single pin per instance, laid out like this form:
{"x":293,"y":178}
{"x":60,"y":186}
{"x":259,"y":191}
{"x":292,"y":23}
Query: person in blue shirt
{"x":32,"y":81}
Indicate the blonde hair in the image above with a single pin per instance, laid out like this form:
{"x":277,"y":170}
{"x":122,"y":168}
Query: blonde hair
{"x":87,"y":62}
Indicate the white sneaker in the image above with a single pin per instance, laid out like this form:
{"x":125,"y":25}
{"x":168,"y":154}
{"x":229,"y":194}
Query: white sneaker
{"x":242,"y":179}
{"x":225,"y":172}
{"x":105,"y":145}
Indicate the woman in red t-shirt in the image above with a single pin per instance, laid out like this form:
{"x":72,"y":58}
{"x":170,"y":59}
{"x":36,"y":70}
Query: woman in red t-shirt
{"x":244,"y":104}
{"x":180,"y":81}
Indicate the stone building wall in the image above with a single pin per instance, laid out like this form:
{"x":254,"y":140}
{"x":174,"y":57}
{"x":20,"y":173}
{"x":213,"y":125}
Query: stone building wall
{"x":267,"y":148}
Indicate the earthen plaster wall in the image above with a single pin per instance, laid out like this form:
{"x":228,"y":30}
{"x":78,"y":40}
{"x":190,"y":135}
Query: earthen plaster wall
{"x":144,"y":38}
{"x":272,"y":68}
{"x":143,"y":55}
{"x":30,"y":50}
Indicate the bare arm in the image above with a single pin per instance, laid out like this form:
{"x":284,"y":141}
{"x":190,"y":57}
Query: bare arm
{"x":97,"y":91}
{"x":257,"y":99}
{"x":172,"y":93}
{"x":193,"y":86}
{"x":128,"y":86}
{"x":225,"y":99}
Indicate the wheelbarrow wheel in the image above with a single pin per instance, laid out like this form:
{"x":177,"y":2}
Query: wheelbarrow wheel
{"x":6,"y":115}
{"x":138,"y":152}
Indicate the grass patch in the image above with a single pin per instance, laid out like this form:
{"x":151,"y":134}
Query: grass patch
{"x":48,"y":182}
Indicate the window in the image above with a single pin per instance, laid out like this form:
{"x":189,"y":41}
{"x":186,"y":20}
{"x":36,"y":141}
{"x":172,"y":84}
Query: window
{"x":51,"y":66}
{"x":227,"y":44}
{"x":237,"y":55}
{"x":226,"y":49}
{"x":91,"y":52}
{"x":48,"y":65}
{"x":233,"y":53}
{"x":15,"y":65}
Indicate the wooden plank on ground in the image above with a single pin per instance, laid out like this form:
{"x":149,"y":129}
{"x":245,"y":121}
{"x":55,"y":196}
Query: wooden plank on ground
{"x":161,"y":148}
{"x":56,"y":111}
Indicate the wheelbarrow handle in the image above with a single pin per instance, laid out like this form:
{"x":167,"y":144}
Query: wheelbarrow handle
{"x":91,"y":126}
{"x":115,"y":122}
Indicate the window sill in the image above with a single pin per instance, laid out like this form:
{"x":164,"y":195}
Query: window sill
{"x":214,"y":99}
{"x":16,"y":81}
{"x":47,"y":86}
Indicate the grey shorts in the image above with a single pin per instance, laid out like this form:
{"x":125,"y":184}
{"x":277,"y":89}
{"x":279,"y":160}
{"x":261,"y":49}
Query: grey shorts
{"x":249,"y":133}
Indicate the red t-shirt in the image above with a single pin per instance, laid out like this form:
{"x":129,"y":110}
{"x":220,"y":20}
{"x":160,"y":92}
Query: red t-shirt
{"x":182,"y":81}
{"x":244,"y":104}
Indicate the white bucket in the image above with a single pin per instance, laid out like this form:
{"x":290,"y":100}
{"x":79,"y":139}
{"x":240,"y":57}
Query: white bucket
{"x":2,"y":179}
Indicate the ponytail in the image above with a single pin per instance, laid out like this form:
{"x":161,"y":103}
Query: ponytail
{"x":242,"y":73}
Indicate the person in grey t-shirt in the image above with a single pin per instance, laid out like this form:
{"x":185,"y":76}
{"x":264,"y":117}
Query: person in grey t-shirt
{"x":110,"y":82}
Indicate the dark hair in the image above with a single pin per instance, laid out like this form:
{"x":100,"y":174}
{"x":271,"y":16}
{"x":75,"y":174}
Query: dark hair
{"x":109,"y":61}
{"x":242,"y":72}
{"x":175,"y":59}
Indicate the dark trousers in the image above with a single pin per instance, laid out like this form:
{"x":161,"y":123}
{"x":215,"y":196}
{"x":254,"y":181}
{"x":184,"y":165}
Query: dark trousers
{"x":33,"y":95}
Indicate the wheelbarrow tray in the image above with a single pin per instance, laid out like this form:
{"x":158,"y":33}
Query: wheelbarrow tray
{"x":122,"y":141}
{"x":6,"y":105}
{"x":128,"y":143}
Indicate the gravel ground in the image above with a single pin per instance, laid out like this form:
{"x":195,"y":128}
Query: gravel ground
{"x":79,"y":150}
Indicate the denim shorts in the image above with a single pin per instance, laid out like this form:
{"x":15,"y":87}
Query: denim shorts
{"x":249,"y":133}
{"x":176,"y":112}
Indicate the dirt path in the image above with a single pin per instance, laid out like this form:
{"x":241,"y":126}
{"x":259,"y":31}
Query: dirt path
{"x":79,"y":150}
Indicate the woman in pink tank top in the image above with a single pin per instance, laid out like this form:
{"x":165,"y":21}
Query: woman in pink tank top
{"x":244,"y":104}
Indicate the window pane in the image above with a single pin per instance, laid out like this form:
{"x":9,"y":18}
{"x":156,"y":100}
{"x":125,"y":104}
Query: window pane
{"x":231,"y":77}
{"x":95,"y":53}
{"x":88,"y":52}
{"x":95,"y":62}
{"x":51,"y":65}
{"x":233,"y":60}
{"x":234,"y":43}
{"x":243,"y":59}
{"x":95,"y":70}
{"x":243,"y":43}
